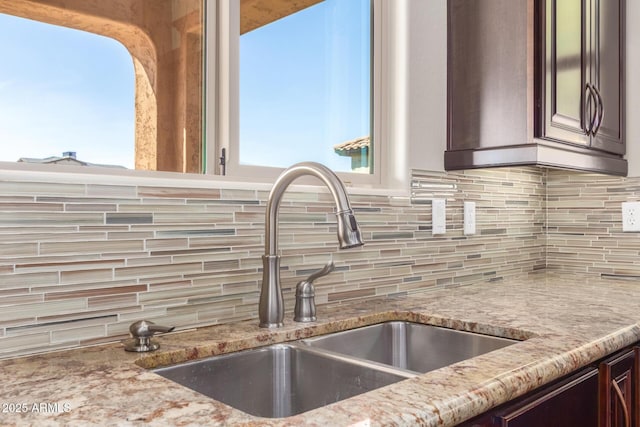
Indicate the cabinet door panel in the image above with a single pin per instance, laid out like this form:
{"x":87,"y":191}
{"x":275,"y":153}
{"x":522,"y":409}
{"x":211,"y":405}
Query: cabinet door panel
{"x":606,"y":75}
{"x":635,"y":407}
{"x":567,"y":108}
{"x":572,"y":404}
{"x":617,"y":391}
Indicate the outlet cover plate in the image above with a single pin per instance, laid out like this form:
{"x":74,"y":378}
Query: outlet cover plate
{"x":469,"y":218}
{"x":631,"y":216}
{"x":439,"y":217}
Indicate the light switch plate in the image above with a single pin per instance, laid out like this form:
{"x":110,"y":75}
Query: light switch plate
{"x":469,"y":218}
{"x":439,"y":216}
{"x":631,"y":216}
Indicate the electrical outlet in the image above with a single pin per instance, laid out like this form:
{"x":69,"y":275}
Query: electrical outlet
{"x":469,"y":218}
{"x":438,"y":216}
{"x":631,"y":216}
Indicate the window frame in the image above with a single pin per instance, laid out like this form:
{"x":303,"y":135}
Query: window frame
{"x":223,"y":92}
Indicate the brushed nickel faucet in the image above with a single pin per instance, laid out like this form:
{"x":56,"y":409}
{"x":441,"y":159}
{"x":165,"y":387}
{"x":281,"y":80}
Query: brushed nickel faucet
{"x":271,"y":307}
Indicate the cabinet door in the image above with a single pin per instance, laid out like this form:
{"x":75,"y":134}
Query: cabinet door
{"x":573,"y":403}
{"x":568,"y":105}
{"x":618,"y":401}
{"x":637,"y":386}
{"x":606,"y":73}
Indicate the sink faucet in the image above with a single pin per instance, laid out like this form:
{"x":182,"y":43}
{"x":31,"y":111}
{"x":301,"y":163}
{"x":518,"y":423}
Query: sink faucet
{"x":271,"y":307}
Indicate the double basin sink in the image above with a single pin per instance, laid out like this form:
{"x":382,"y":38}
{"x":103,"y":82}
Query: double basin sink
{"x":287,"y":379}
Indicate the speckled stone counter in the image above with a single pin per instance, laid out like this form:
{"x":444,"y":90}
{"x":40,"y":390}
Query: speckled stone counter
{"x":567,"y":322}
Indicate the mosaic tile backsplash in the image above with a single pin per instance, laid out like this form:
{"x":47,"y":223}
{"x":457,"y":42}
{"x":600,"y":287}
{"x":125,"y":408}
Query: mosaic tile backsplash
{"x":584,"y":224}
{"x":80,"y":262}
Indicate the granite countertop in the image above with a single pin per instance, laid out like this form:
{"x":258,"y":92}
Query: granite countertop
{"x":567,"y":322}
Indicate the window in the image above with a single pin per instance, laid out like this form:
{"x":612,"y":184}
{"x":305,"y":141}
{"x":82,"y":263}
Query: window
{"x":66,"y":96}
{"x":150,"y":48}
{"x":305,"y":88}
{"x":300,"y":88}
{"x":298,"y":81}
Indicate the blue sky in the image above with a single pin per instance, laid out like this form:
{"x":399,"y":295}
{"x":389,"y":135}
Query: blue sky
{"x":305,"y":86}
{"x":64,"y":90}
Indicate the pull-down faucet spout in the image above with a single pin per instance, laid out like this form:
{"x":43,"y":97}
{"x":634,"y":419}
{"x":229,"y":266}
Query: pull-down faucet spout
{"x":271,"y":308}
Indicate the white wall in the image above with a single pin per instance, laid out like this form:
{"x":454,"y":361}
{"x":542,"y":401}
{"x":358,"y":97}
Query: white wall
{"x":413,"y":88}
{"x":632,"y":75}
{"x":426,"y":79}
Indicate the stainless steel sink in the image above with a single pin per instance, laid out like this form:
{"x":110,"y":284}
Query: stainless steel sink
{"x":287,"y":379}
{"x":410,"y":346}
{"x":279,"y":380}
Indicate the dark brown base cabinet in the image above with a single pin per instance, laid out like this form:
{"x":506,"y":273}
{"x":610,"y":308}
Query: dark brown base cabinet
{"x":604,"y":394}
{"x":619,"y":389}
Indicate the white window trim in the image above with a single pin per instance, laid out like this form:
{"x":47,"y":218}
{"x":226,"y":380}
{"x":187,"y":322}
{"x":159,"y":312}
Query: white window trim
{"x":223,"y":96}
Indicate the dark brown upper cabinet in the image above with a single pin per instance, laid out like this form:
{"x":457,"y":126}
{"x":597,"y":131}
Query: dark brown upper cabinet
{"x":536,"y":82}
{"x":582,"y":84}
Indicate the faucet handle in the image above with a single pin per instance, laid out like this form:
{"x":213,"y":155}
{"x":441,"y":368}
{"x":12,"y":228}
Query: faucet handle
{"x":305,"y":309}
{"x":328,"y":268}
{"x":142,"y":331}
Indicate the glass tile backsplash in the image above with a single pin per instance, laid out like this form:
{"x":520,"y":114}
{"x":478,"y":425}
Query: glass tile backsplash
{"x":79,"y":263}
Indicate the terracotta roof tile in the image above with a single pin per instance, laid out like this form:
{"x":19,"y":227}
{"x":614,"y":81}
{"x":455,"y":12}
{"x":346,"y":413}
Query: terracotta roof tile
{"x":354,"y":144}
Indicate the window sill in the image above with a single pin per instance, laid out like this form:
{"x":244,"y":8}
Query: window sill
{"x":64,"y":174}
